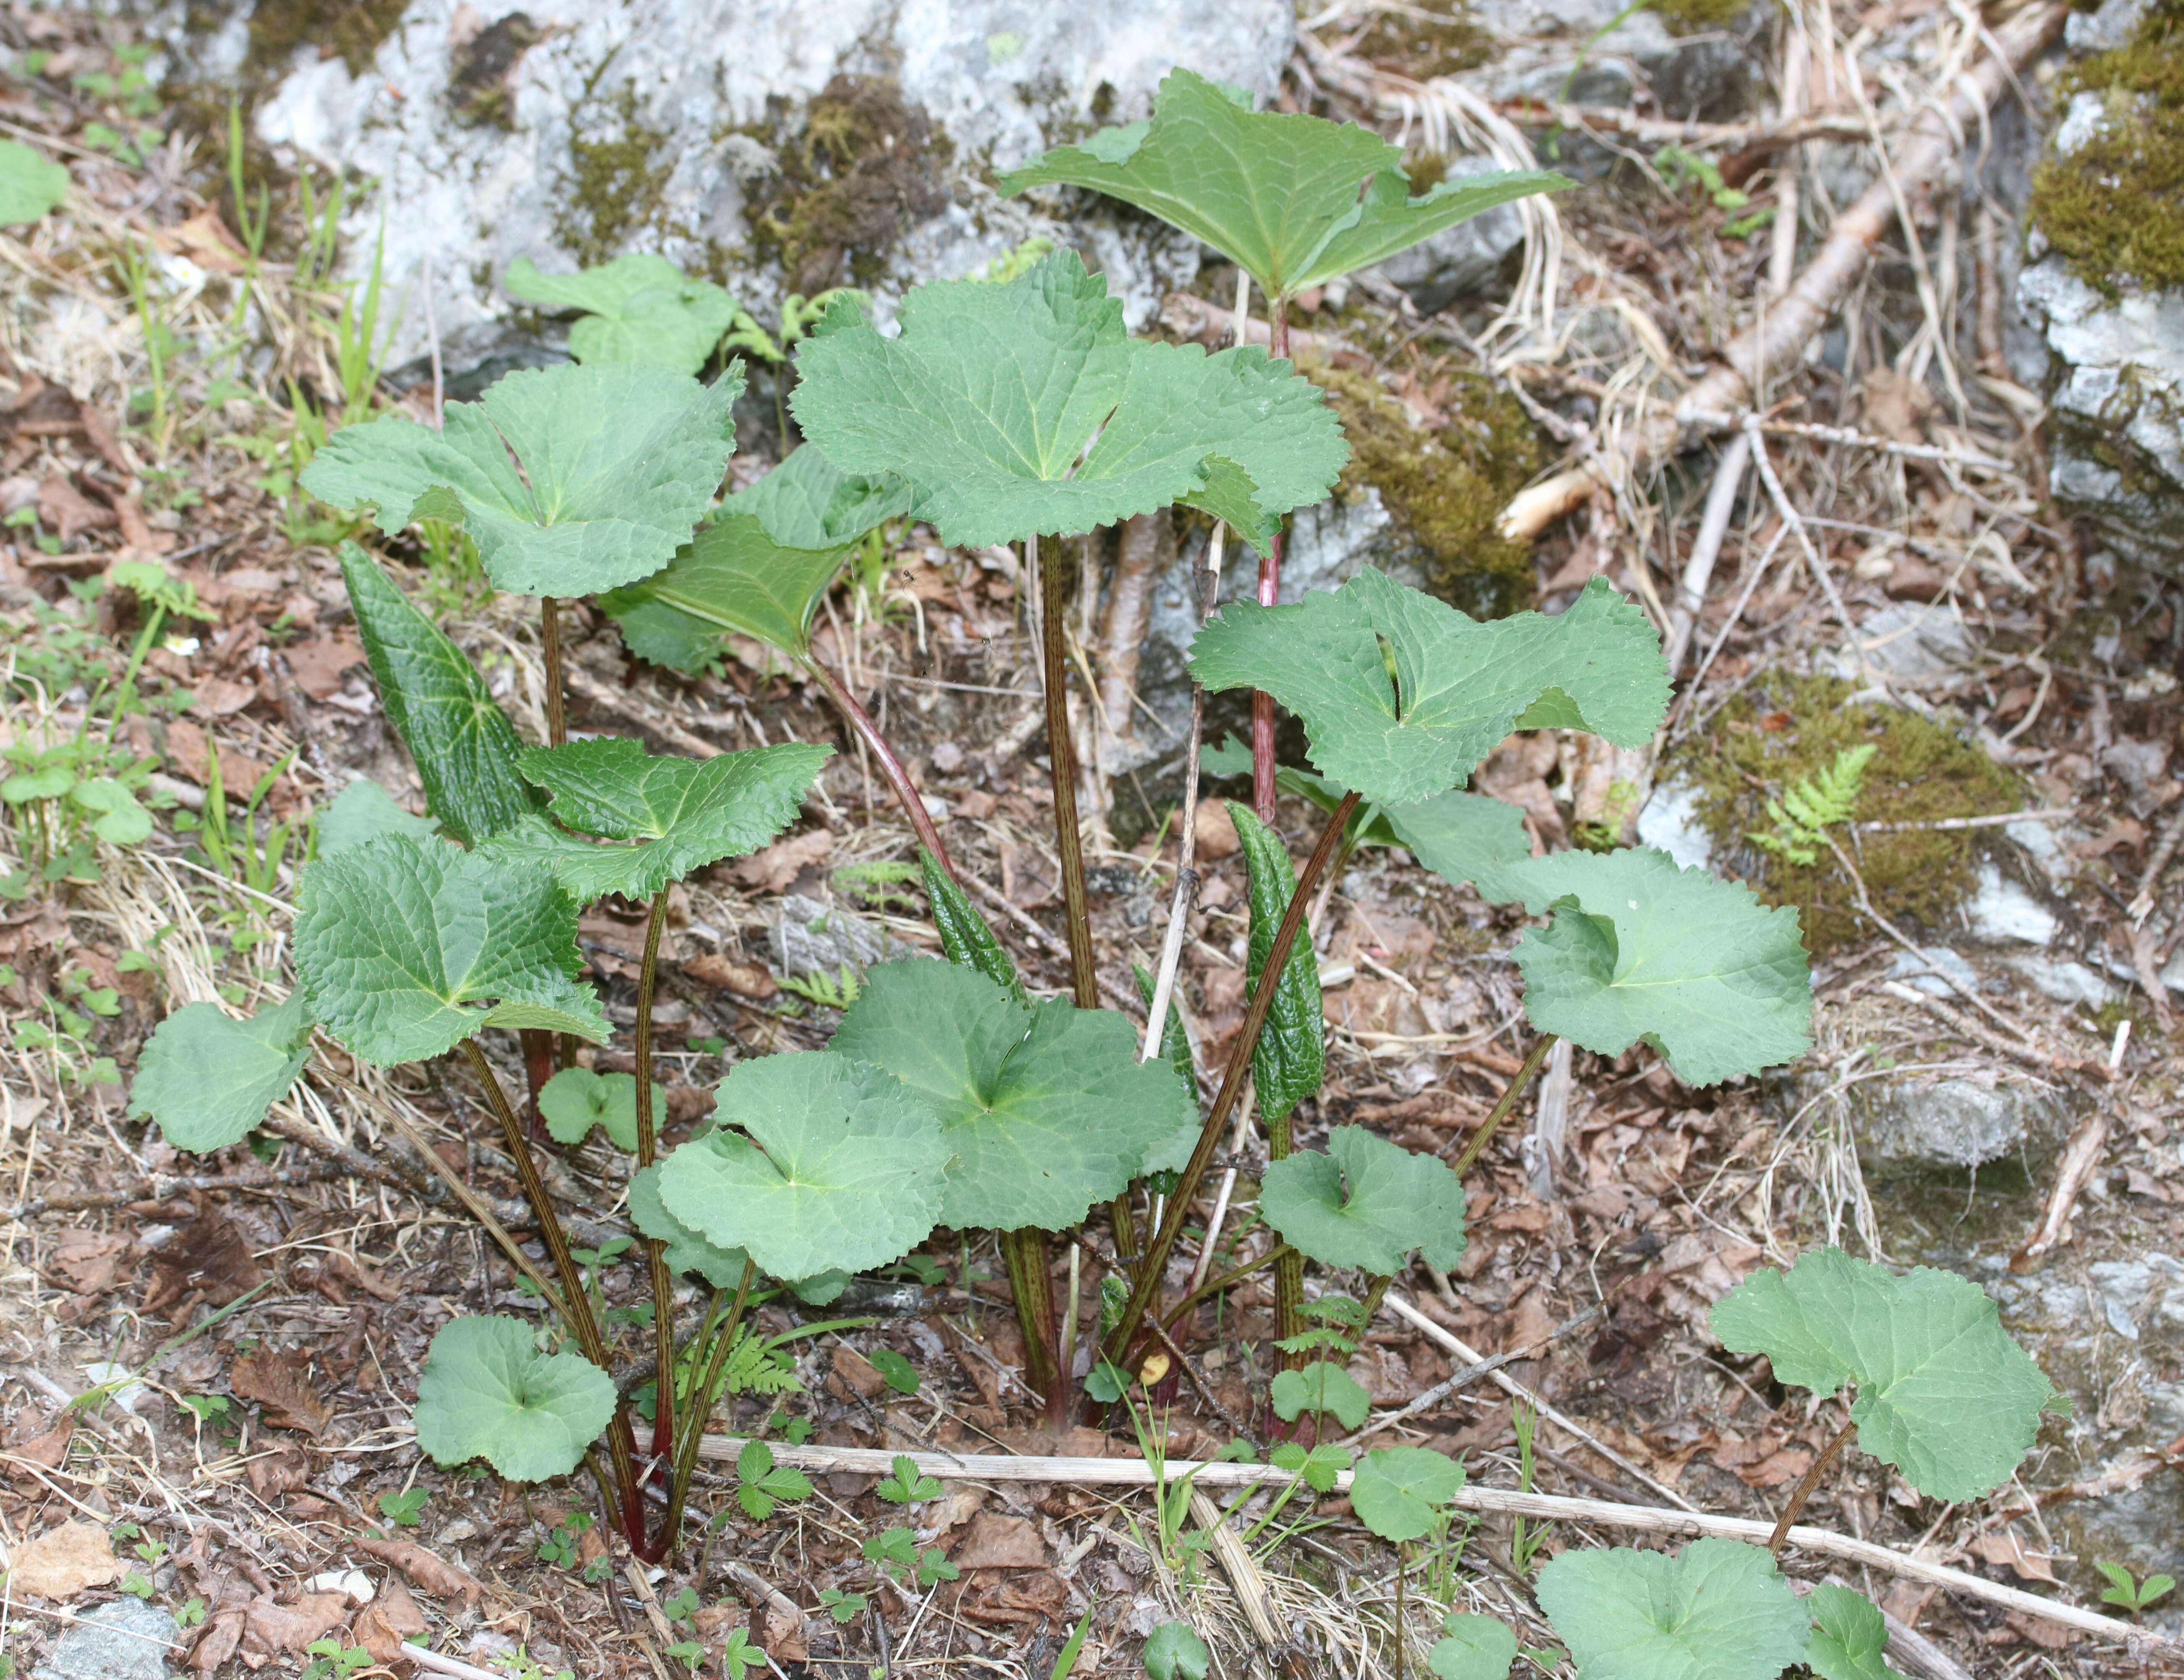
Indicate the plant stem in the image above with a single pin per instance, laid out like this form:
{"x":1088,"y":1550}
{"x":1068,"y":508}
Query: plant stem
{"x":655,"y":1251}
{"x":1804,"y":1490}
{"x":898,"y":778}
{"x":1149,"y":1271}
{"x":549,"y":647}
{"x":1270,"y":591}
{"x":1484,"y":1135}
{"x":1023,"y":1256}
{"x":701,"y":1408}
{"x":1227,"y":1280}
{"x":619,"y":1441}
{"x":1061,"y":758}
{"x":1289,"y":1268}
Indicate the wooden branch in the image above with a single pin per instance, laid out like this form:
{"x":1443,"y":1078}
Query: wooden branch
{"x":1135,"y":1473}
{"x":1758,"y":138}
{"x":1249,"y":1585}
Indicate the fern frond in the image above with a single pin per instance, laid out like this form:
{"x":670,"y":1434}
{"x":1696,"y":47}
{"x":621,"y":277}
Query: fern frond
{"x":1813,"y":805}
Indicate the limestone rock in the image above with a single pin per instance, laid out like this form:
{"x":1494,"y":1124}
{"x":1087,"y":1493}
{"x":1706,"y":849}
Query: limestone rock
{"x":1947,"y":1122}
{"x":125,"y":1640}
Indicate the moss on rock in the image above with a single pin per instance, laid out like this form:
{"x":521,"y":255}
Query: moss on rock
{"x":1783,"y":729}
{"x":1691,"y":17}
{"x":1423,"y":42}
{"x":616,"y":185}
{"x":349,"y":30}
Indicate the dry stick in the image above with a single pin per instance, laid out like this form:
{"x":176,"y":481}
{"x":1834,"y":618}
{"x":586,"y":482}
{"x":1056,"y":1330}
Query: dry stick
{"x":1245,"y":1579}
{"x":1805,"y":1483}
{"x":655,"y":1251}
{"x":1706,"y":548}
{"x":891,"y":767}
{"x":1487,"y":1501}
{"x":1484,"y":1135}
{"x":1471,"y":1373}
{"x":1775,"y":345}
{"x":1147,"y":1282}
{"x":2081,"y":1155}
{"x":2164,"y":848}
{"x":1814,"y":561}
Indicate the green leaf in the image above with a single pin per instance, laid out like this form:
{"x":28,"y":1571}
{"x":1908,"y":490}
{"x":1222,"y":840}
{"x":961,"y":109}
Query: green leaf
{"x":1277,"y":194}
{"x":686,"y":1250}
{"x":1173,"y":1651}
{"x":1317,"y":1469}
{"x":1046,"y":1109}
{"x":762,"y":1484}
{"x":118,"y":818}
{"x":1638,"y":948}
{"x":807,"y":501}
{"x":1849,"y":1636}
{"x":1943,"y":1393}
{"x":1398,"y":1491}
{"x":576,"y":1099}
{"x":1289,"y":1059}
{"x":1403,"y":726}
{"x":363,"y":810}
{"x":965,"y":935}
{"x":639,"y":308}
{"x":30,"y":184}
{"x":1467,"y":837}
{"x":686,"y":813}
{"x":907,"y":1486}
{"x":1473,"y":1648}
{"x":731,"y":576}
{"x":1320,"y":1386}
{"x":818,"y":1162}
{"x":461,"y":742}
{"x":486,"y":1392}
{"x":900,"y":1374}
{"x":1026,"y":406}
{"x":208,"y":1078}
{"x":398,"y":942}
{"x":572,"y":480}
{"x":1366,"y":1203}
{"x":1716,"y":1610}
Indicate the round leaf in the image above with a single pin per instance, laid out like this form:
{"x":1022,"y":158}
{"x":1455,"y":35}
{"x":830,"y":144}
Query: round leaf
{"x":1473,"y":1648}
{"x":1366,"y":1203}
{"x":686,"y":1251}
{"x":1850,"y":1637}
{"x":1943,"y":1393}
{"x":486,"y":1392}
{"x":1716,"y":1610}
{"x":1397,"y":1490}
{"x":30,"y":184}
{"x":817,"y":1161}
{"x":1320,"y":1386}
{"x":208,"y":1078}
{"x":1173,"y":1651}
{"x":576,"y":1099}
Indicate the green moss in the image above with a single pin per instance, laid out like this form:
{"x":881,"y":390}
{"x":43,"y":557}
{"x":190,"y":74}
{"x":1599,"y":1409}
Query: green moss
{"x":616,"y":185}
{"x":1447,"y":486}
{"x":2115,"y":206}
{"x":1783,"y":729}
{"x":864,"y":169}
{"x":1691,"y":17}
{"x":1425,"y":42}
{"x":349,"y":30}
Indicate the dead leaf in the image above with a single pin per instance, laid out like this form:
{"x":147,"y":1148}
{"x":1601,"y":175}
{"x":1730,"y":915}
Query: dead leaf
{"x":994,"y":1541}
{"x":2003,"y":1547}
{"x":1214,"y":831}
{"x":1030,"y":877}
{"x":427,"y":1570}
{"x":86,"y":1261}
{"x":64,"y":1562}
{"x":189,"y":753}
{"x":854,"y":1369}
{"x":322,"y":663}
{"x":745,"y":980}
{"x":784,"y":1636}
{"x":2049,"y":1635}
{"x":207,"y":1259}
{"x":222,"y":1636}
{"x":136,"y":532}
{"x":221,"y":697}
{"x":773,"y":869}
{"x":69,"y":513}
{"x":382,"y":1625}
{"x":205,"y":240}
{"x":278,"y":1383}
{"x":281,"y":1470}
{"x":1897,"y":407}
{"x":48,"y":1449}
{"x":287,"y":1630}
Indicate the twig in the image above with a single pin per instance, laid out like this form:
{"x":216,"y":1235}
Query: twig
{"x":156,"y":1186}
{"x":1514,"y":1089}
{"x":1706,"y":548}
{"x":1744,"y":136}
{"x":1999,"y":820}
{"x":1964,"y":1027}
{"x":1814,"y":558}
{"x":2149,"y":883}
{"x":2081,"y":1155}
{"x":1805,"y":1483}
{"x":1245,"y":1579}
{"x":1469,"y":1374}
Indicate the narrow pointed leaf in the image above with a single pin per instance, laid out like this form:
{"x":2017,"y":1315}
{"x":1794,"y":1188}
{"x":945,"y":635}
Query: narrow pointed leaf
{"x":732,"y":577}
{"x":208,"y":1078}
{"x":1366,"y":1203}
{"x":1943,"y":1393}
{"x":571,"y":479}
{"x":1467,"y":837}
{"x":363,"y":810}
{"x":1638,"y":948}
{"x":1046,"y":1109}
{"x":576,"y":1099}
{"x":965,"y":935}
{"x":684,"y":813}
{"x":640,"y":307}
{"x":1399,"y":1492}
{"x":1458,"y":686}
{"x":1472,"y":1647}
{"x":1275,"y":193}
{"x":818,"y":1161}
{"x":486,"y":1392}
{"x":1716,"y":1610}
{"x":989,"y":402}
{"x":1289,"y":1059}
{"x":459,"y":739}
{"x":1850,"y":1637}
{"x":405,"y":947}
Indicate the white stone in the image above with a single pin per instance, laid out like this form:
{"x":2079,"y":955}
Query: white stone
{"x":2064,"y":981}
{"x":2000,"y":910}
{"x":1669,"y":820}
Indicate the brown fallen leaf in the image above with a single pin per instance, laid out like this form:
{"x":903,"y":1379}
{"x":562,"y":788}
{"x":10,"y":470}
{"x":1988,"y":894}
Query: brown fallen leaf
{"x":859,"y":1373}
{"x":207,"y":1259}
{"x":277,"y":1382}
{"x":1214,"y":832}
{"x":382,"y":1625}
{"x":48,"y":1448}
{"x":221,"y":1638}
{"x":2004,"y":1547}
{"x":86,"y":1261}
{"x":205,"y":240}
{"x":136,"y":532}
{"x":221,"y":697}
{"x":272,"y":1629}
{"x":70,"y":512}
{"x":189,"y":755}
{"x":321,"y":663}
{"x":745,"y":980}
{"x":994,"y":1541}
{"x":281,"y":1470}
{"x":62,"y":1561}
{"x":773,"y":869}
{"x":425,"y":1568}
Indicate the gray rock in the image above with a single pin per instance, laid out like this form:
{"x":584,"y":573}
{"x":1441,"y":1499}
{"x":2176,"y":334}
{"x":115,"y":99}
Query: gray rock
{"x":1943,"y":974}
{"x":2111,"y":27}
{"x":1706,"y":75}
{"x":809,"y":937}
{"x":1669,"y":820}
{"x":125,"y":1640}
{"x":2001,"y":911}
{"x":2061,"y":979}
{"x":1459,"y":260}
{"x":1946,"y":1122}
{"x":659,"y":125}
{"x":1912,"y":640}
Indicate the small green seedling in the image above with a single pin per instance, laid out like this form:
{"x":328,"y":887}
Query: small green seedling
{"x":681,"y":1605}
{"x":844,"y":1607}
{"x":895,"y":1554}
{"x":688,"y":1652}
{"x":404,"y":1509}
{"x":761,"y":1484}
{"x":1813,"y":805}
{"x":907,"y":1486}
{"x":2127,"y":1593}
{"x":1173,"y":1651}
{"x":900,"y":1374}
{"x":334,"y":1659}
{"x":738,"y":1656}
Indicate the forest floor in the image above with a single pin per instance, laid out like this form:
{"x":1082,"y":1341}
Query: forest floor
{"x":255,"y":1320}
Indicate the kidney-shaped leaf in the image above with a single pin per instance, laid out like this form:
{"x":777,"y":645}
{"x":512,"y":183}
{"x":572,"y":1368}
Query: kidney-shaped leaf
{"x":987,"y":402}
{"x":401,"y":942}
{"x":1467,"y":837}
{"x":571,"y":479}
{"x":486,"y":1392}
{"x":1458,"y":686}
{"x":1718,"y":1610}
{"x":688,"y":1251}
{"x":1046,"y":1109}
{"x":639,"y":308}
{"x":1365,"y":1202}
{"x":1398,"y":1491}
{"x":1638,"y":948}
{"x":30,"y":183}
{"x":1943,"y":1393}
{"x":1850,"y":1637}
{"x":208,"y":1078}
{"x":576,"y":1099}
{"x":684,"y":813}
{"x":818,"y":1162}
{"x":1277,"y":194}
{"x":1472,"y":1647}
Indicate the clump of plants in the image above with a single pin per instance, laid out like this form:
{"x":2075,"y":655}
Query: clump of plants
{"x":1785,"y":733}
